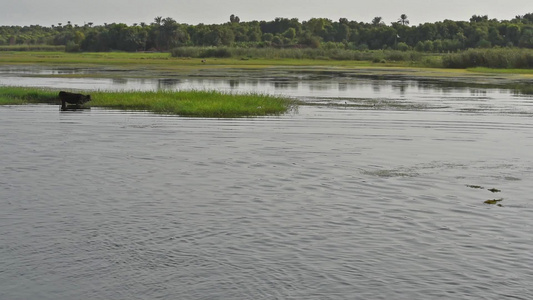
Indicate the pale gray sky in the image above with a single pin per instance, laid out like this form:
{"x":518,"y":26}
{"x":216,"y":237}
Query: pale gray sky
{"x":48,"y":12}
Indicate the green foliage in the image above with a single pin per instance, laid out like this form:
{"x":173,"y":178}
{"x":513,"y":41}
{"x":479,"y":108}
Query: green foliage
{"x":428,"y":46}
{"x":290,"y":33}
{"x":268,"y":37}
{"x":72,"y":47}
{"x":402,"y":46}
{"x":164,"y":34}
{"x":484,"y":44}
{"x":419,"y":46}
{"x":526,"y":40}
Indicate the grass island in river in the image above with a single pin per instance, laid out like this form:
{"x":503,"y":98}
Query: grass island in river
{"x":210,"y":104}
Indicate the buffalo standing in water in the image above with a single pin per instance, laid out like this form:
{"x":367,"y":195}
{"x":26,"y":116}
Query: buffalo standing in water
{"x":72,"y":98}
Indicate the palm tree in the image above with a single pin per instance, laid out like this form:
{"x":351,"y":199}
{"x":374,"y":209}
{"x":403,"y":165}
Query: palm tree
{"x":158,"y":20}
{"x":377,"y":21}
{"x":403,"y":19}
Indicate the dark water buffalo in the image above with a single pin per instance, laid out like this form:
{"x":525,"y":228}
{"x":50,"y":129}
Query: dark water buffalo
{"x":72,"y":98}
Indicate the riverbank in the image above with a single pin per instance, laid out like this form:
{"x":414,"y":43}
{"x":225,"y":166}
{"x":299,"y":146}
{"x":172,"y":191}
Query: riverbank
{"x":209,"y":104}
{"x":120,"y":65}
{"x":150,"y":65}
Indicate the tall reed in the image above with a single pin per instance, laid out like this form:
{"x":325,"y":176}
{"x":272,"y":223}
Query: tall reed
{"x":25,"y":47}
{"x":297,"y":53}
{"x":490,"y":58}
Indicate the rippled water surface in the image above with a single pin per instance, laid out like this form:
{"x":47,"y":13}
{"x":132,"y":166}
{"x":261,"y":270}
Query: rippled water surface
{"x":375,"y":191}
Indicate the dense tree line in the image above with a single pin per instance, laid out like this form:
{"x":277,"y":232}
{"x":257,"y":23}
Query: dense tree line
{"x":164,"y":34}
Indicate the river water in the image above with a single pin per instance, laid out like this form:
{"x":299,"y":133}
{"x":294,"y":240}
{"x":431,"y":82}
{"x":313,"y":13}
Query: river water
{"x":375,"y":190}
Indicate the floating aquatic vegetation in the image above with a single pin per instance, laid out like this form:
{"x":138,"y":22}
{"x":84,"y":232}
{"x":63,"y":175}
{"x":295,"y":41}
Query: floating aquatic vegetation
{"x":494,"y":201}
{"x":475,"y":186}
{"x":490,"y":201}
{"x":391,"y":173}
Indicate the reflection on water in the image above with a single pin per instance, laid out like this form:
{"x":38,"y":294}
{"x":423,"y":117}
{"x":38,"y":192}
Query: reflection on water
{"x":167,"y":83}
{"x":119,"y":82}
{"x":371,"y":193}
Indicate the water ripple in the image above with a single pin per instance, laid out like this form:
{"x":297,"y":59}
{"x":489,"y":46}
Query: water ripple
{"x":324,"y":204}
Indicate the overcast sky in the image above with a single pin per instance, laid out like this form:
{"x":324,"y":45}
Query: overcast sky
{"x":48,"y":12}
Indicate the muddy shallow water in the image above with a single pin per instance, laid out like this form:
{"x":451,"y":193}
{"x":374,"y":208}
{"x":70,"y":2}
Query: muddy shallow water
{"x":354,"y":197}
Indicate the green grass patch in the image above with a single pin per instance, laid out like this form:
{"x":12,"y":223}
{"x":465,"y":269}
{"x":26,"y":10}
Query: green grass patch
{"x":500,"y":71}
{"x":257,"y":59}
{"x":208,"y":104}
{"x":100,"y":58}
{"x":211,"y":104}
{"x":22,"y":95}
{"x":511,"y":61}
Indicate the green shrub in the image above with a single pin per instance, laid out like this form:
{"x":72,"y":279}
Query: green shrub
{"x":401,"y":46}
{"x":72,"y":47}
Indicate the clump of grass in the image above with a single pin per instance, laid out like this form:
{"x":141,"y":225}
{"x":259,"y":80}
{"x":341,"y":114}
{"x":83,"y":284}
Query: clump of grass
{"x":210,"y":104}
{"x":494,"y":201}
{"x":22,"y":95}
